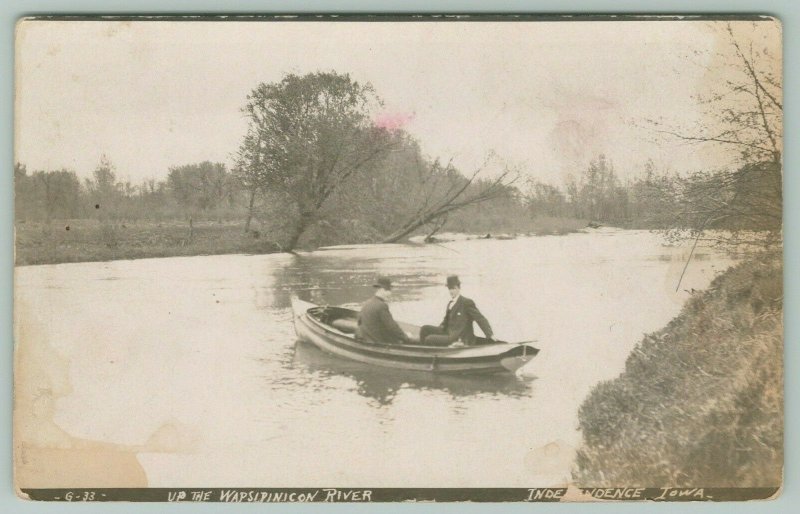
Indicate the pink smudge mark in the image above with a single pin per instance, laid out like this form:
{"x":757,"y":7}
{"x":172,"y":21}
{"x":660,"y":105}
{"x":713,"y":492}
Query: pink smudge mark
{"x":393,"y":121}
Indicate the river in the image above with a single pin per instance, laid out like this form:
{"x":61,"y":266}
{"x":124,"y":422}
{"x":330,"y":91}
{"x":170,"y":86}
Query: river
{"x":192,"y":361}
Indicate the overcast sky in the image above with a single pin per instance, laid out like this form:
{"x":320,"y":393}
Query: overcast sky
{"x":545,"y":96}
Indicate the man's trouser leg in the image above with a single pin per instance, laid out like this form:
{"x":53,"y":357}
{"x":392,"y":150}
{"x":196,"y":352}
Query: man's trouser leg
{"x":434,"y":336}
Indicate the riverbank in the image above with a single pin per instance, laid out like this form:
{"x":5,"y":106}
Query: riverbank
{"x":701,"y":401}
{"x":85,"y":240}
{"x":89,"y":240}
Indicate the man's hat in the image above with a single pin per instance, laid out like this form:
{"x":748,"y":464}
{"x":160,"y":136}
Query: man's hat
{"x":383,"y":282}
{"x":453,"y":281}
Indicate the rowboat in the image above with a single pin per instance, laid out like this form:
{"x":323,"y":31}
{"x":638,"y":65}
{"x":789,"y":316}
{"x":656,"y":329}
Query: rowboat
{"x":383,"y":384}
{"x":332,"y":329}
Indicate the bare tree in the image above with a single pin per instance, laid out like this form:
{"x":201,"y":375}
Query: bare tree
{"x":743,"y":112}
{"x":743,"y":109}
{"x":436,"y":203}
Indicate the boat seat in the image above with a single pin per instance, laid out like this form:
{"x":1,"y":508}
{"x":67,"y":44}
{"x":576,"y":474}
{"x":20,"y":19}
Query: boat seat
{"x":347,"y":325}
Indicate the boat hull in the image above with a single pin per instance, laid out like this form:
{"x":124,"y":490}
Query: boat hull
{"x":474,"y":360}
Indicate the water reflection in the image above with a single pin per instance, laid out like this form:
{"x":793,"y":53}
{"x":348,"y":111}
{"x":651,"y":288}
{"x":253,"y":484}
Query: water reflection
{"x":345,"y":276}
{"x":383,"y":384}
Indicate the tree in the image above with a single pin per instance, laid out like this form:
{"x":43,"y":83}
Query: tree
{"x":445,"y":190}
{"x":743,"y":112}
{"x":251,"y":172}
{"x":46,"y":195}
{"x":599,"y":195}
{"x":385,"y":192}
{"x":653,"y":198}
{"x":23,"y":198}
{"x":545,"y":199}
{"x":104,"y":190}
{"x":105,"y":183}
{"x":152,"y":200}
{"x":572,"y":190}
{"x":59,"y":193}
{"x":405,"y":191}
{"x":746,"y":204}
{"x":202,"y":186}
{"x":307,"y":137}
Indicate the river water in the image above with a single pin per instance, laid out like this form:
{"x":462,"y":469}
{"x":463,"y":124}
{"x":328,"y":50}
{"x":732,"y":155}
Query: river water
{"x":193,"y":362}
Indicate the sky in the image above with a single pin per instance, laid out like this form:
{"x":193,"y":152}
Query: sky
{"x":545,"y":97}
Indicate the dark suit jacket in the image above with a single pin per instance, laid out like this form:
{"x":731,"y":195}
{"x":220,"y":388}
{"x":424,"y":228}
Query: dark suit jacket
{"x":458,"y":321}
{"x":376,"y":324}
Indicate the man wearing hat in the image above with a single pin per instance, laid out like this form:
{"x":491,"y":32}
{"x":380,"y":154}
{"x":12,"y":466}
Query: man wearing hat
{"x":457,"y":324}
{"x":375,"y":322}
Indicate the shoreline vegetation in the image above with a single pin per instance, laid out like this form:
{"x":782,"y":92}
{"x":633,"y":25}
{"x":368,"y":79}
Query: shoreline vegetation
{"x":701,"y":400}
{"x":87,"y":240}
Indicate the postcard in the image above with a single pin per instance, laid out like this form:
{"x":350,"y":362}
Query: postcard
{"x":398,"y":258}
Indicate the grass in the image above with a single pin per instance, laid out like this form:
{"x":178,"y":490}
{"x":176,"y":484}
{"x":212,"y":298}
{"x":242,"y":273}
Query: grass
{"x":700,"y":402}
{"x":85,"y":240}
{"x":89,"y":240}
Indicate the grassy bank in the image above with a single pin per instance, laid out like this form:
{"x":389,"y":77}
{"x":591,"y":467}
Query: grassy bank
{"x":700,"y":402}
{"x":84,"y":240}
{"x":89,"y":240}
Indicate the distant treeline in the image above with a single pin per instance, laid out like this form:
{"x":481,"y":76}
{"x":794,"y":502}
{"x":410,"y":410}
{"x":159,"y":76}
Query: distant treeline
{"x":203,"y":190}
{"x":318,"y":166}
{"x":368,"y":211}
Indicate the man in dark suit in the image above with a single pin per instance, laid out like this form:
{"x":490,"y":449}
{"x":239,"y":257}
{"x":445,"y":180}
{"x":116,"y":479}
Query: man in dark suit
{"x":375,"y":322}
{"x":457,"y":324}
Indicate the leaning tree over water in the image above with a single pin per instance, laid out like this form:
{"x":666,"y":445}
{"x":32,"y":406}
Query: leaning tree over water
{"x":308,"y":136}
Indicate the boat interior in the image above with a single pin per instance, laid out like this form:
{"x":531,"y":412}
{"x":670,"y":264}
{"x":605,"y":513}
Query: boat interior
{"x":344,"y":320}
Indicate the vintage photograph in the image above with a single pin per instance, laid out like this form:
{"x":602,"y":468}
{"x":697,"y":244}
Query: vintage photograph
{"x":398,"y":258}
